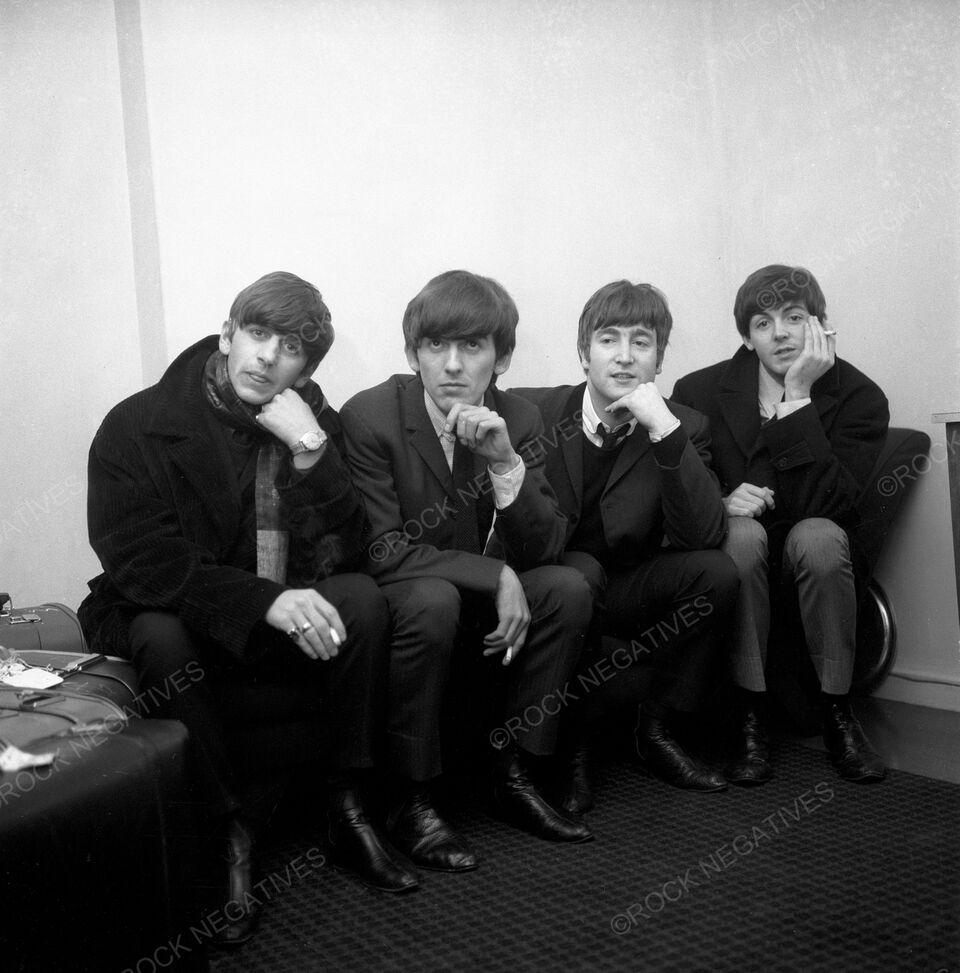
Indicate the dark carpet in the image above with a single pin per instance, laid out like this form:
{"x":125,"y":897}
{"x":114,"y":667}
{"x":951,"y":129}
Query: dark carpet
{"x":805,"y":873}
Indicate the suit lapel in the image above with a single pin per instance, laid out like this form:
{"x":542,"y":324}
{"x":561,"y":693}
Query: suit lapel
{"x":636,"y":446}
{"x":571,"y":447}
{"x":738,"y":400}
{"x":423,"y":437}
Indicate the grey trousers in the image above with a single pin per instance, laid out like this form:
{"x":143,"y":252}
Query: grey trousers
{"x":816,"y":560}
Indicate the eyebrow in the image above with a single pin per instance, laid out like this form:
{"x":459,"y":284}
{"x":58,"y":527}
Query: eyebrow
{"x":633,"y":329}
{"x":786,"y":307}
{"x":457,"y":337}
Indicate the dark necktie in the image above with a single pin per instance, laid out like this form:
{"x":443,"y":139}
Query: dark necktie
{"x":611,"y":438}
{"x":473,"y":501}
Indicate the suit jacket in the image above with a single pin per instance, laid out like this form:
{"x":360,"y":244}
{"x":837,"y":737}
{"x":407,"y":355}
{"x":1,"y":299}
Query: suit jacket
{"x":817,"y":460}
{"x":164,"y":515}
{"x":655,"y":490}
{"x":412,"y":505}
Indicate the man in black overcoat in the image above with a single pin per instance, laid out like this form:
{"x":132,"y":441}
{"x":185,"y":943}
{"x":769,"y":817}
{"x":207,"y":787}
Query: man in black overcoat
{"x":796,"y":434}
{"x":227,"y":526}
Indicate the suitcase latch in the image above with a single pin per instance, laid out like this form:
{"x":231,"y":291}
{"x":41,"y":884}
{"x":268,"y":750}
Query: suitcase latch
{"x":20,"y":619}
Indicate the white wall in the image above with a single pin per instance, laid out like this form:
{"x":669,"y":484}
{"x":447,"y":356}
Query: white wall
{"x":557,"y":145}
{"x":68,"y":327}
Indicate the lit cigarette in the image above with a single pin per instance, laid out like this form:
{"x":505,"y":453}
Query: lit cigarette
{"x":508,"y":658}
{"x":335,"y":638}
{"x":829,"y":332}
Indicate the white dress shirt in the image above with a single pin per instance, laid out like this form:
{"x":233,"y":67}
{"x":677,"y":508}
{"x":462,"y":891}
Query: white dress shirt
{"x":506,"y":486}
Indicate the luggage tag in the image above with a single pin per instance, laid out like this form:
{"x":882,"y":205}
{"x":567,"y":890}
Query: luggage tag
{"x":13,"y":759}
{"x":28,"y":677}
{"x":15,"y":673}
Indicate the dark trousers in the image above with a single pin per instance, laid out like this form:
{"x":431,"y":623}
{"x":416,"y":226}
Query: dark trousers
{"x":666,"y":616}
{"x":187,"y":678}
{"x":432,"y":618}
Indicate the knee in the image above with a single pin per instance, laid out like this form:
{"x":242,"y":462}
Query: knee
{"x":429,"y":607}
{"x":818,"y":544}
{"x":160,"y":640}
{"x":359,"y":601}
{"x":560,"y":590}
{"x":590,"y":568}
{"x":746,"y":544}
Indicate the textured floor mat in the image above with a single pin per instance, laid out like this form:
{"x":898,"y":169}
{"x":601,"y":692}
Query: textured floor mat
{"x":805,"y":873}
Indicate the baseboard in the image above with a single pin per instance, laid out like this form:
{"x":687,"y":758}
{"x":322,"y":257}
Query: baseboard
{"x":909,"y":688}
{"x":918,"y":739}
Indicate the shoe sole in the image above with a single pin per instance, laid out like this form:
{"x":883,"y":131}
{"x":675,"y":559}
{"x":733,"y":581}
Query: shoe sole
{"x":499,"y":815}
{"x":678,"y":787}
{"x":447,"y":871}
{"x":748,"y":781}
{"x":235,"y":943}
{"x":865,"y":779}
{"x":350,"y":873}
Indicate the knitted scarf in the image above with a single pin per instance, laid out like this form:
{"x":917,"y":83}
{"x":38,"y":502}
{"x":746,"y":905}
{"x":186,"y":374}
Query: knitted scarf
{"x":273,"y":542}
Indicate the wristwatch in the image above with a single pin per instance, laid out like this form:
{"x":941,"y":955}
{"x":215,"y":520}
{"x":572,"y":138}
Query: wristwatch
{"x":309,"y":442}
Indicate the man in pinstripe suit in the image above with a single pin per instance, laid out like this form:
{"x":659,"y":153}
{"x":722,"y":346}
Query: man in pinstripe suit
{"x":437,"y":458}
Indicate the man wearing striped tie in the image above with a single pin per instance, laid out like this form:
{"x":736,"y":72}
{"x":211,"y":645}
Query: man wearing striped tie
{"x":644,"y":515}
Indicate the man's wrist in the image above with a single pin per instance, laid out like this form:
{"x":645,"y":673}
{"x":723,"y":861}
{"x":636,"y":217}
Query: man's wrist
{"x":792,"y":392}
{"x":311,"y":441}
{"x":502,"y":467}
{"x":663,"y":429}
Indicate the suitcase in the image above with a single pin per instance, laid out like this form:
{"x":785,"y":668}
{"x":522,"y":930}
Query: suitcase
{"x":95,"y":856}
{"x":51,"y":626}
{"x":49,"y":637}
{"x":95,"y":848}
{"x":34,"y":720}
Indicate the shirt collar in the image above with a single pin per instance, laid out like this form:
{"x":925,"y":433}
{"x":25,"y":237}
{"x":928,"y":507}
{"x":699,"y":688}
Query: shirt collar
{"x":591,"y":420}
{"x":437,"y":418}
{"x":769,"y":392}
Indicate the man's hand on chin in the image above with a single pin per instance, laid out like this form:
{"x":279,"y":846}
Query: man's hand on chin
{"x":484,"y":432}
{"x":647,"y":406}
{"x":288,"y":417}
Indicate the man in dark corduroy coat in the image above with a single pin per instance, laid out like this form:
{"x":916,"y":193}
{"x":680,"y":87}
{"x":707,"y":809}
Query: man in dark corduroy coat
{"x":226,"y":524}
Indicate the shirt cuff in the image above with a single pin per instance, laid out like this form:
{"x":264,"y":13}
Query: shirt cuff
{"x":785,"y":409}
{"x":666,"y":432}
{"x":506,"y":486}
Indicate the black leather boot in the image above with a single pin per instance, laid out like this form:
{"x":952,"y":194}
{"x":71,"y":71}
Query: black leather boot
{"x":578,"y":793}
{"x":850,"y":750}
{"x":418,"y":830}
{"x":359,"y":847}
{"x":750,"y":762}
{"x":241,"y":908}
{"x":520,"y":803}
{"x":663,"y":757}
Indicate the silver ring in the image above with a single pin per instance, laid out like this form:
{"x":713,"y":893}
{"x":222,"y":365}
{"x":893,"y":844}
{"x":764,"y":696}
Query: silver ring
{"x":293,"y":633}
{"x":305,"y":627}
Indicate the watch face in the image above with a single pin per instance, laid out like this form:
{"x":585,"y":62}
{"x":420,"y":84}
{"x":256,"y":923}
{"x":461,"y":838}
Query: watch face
{"x":312,"y":441}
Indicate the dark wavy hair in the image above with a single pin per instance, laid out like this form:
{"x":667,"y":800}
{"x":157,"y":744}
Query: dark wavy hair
{"x":623,"y":304}
{"x":287,"y":305}
{"x":459,"y":304}
{"x":775,"y":286}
